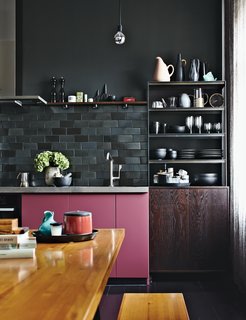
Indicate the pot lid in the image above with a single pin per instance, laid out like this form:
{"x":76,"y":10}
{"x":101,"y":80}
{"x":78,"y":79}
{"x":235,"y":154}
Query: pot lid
{"x":77,"y":213}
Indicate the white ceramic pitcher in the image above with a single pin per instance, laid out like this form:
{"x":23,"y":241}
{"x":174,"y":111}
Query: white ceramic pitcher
{"x":161,"y":72}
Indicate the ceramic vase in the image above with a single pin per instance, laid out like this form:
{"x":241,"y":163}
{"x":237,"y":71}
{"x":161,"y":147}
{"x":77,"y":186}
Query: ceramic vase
{"x":50,"y":173}
{"x":194,"y":70}
{"x":180,"y":68}
{"x":161,"y":72}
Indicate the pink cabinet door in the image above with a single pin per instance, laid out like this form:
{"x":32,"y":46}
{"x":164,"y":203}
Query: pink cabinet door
{"x":33,"y":207}
{"x":102,"y":207}
{"x":132,"y":213}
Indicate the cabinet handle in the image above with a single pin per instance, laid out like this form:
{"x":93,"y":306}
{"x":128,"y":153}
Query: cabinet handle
{"x":7,"y":209}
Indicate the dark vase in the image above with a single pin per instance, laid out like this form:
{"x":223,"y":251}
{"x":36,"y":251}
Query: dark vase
{"x":180,"y":68}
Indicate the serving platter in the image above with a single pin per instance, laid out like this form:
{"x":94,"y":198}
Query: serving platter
{"x":41,"y":238}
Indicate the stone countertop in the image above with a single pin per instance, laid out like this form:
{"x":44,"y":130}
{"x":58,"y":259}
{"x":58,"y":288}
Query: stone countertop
{"x":74,"y":189}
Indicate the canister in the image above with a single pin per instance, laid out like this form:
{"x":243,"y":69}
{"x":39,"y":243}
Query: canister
{"x":78,"y":222}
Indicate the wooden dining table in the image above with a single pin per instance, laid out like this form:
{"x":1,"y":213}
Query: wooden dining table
{"x":63,"y":281}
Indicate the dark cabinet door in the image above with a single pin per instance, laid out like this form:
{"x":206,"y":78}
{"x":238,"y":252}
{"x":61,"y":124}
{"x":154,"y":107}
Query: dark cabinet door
{"x":208,"y":225}
{"x":188,"y":229}
{"x":169,"y":229}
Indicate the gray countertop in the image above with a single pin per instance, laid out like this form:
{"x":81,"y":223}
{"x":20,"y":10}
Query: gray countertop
{"x":75,"y":189}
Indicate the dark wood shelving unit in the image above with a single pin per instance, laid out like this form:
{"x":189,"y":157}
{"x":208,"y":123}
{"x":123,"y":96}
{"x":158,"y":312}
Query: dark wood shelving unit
{"x":188,"y":224}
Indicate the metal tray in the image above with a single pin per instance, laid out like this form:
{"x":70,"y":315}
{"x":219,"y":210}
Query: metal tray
{"x":41,"y":238}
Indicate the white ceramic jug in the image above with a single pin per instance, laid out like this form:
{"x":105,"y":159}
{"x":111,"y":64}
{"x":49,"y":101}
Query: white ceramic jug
{"x":161,"y":72}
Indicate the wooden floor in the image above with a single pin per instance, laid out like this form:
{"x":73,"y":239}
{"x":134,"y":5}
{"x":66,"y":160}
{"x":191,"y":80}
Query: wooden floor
{"x":206,"y":297}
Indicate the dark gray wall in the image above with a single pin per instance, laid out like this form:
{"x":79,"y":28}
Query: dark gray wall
{"x":74,"y":39}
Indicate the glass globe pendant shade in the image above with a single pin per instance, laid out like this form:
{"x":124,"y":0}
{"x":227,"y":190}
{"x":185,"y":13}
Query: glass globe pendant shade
{"x":119,"y":37}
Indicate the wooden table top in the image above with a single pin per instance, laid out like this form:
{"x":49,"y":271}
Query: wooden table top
{"x":65,"y":281}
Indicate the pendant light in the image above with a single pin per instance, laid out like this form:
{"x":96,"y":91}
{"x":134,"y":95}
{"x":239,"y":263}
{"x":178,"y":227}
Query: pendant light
{"x":119,"y":37}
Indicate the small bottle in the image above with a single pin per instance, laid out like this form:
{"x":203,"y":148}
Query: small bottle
{"x":53,"y":93}
{"x":62,"y":91}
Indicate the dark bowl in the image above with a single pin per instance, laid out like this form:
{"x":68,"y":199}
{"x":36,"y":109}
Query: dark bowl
{"x":206,"y":179}
{"x":159,"y":153}
{"x":62,"y":181}
{"x":176,"y":129}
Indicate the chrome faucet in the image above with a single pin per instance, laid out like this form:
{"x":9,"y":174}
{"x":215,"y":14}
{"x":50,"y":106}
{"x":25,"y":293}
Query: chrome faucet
{"x":111,"y":170}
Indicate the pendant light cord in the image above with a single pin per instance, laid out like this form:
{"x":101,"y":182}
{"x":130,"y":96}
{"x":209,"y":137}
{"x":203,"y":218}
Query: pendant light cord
{"x":120,"y":11}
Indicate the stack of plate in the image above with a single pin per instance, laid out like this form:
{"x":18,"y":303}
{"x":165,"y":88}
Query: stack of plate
{"x":187,"y":153}
{"x":210,"y":153}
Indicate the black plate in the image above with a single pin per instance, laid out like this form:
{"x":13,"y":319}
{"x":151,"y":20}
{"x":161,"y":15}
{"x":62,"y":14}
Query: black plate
{"x":41,"y":238}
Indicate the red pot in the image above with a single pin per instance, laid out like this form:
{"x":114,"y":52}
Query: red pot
{"x":77,"y":222}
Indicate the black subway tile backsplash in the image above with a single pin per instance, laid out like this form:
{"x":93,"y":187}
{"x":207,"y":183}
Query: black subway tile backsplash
{"x":83,"y":134}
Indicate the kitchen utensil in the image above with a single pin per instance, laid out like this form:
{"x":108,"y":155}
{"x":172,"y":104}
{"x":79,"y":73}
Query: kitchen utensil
{"x":172,"y":154}
{"x":194,"y":69}
{"x":164,"y":127}
{"x":180,"y":68}
{"x":159,"y":153}
{"x":189,"y":121}
{"x":161,"y":72}
{"x":155,"y":127}
{"x":172,"y":102}
{"x":164,"y":102}
{"x":207,"y":127}
{"x":24,"y":179}
{"x":198,"y":123}
{"x":64,"y":238}
{"x":56,"y":228}
{"x":77,"y":222}
{"x":216,"y":100}
{"x":63,"y":181}
{"x":157,"y":104}
{"x":184,"y":101}
{"x":200,"y":98}
{"x":176,"y":129}
{"x":206,"y":179}
{"x":217,"y":127}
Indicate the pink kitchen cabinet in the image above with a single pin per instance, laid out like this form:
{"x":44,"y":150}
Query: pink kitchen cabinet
{"x":34,"y":205}
{"x":128,"y":211}
{"x":132,"y":213}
